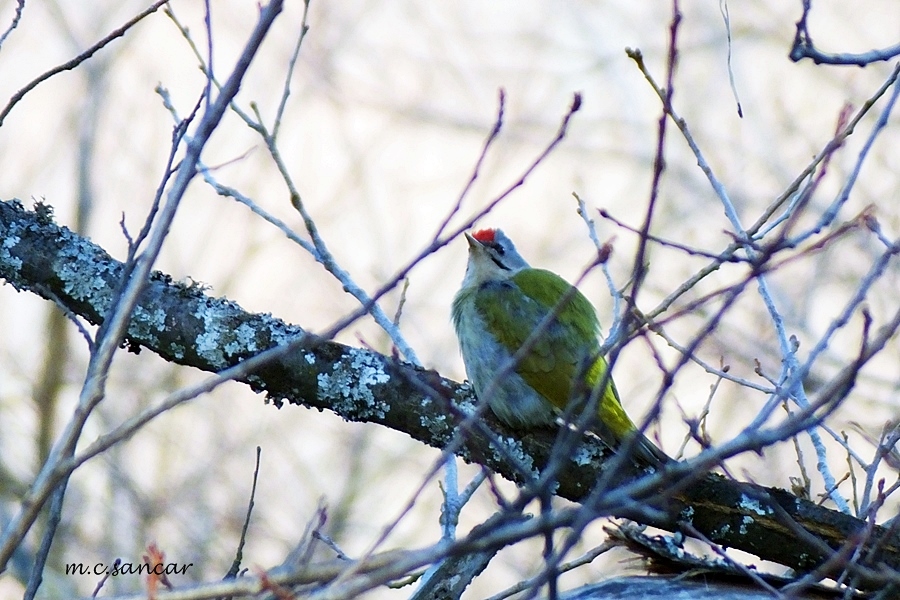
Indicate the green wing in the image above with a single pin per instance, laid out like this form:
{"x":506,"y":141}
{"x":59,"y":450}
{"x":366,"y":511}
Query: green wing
{"x":513,"y":309}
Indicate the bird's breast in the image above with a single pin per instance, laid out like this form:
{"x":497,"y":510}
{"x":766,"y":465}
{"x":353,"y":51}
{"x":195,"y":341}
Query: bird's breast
{"x":486,"y":359}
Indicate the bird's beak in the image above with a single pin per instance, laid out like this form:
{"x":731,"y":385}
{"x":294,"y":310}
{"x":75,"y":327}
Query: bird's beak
{"x":473,"y":243}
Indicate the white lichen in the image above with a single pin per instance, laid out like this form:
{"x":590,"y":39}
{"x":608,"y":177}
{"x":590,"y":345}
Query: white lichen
{"x":209,"y":343}
{"x":244,"y":340}
{"x":437,"y":427}
{"x":146,"y":324}
{"x":512,"y":447}
{"x":465,"y":400}
{"x":586,"y":455}
{"x":752,"y":505}
{"x":349,"y":386}
{"x":10,"y":241}
{"x":281,"y":334}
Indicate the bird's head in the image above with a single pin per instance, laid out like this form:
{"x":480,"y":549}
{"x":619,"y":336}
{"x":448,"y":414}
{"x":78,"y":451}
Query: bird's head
{"x":492,"y":257}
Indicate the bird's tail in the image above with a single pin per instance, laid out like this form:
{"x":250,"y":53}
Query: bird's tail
{"x":641,"y":449}
{"x":645,"y":451}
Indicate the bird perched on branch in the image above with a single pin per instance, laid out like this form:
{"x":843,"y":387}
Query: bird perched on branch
{"x":505,"y":304}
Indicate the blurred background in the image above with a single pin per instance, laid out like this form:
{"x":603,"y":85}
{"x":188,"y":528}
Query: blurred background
{"x":390,"y":105}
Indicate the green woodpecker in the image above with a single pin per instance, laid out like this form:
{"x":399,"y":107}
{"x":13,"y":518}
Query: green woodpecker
{"x":502,"y":300}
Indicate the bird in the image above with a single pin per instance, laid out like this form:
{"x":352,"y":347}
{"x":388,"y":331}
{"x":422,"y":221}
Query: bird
{"x":503,"y":300}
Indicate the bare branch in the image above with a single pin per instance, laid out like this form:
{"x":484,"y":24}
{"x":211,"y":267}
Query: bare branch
{"x":71,"y":64}
{"x":803,"y":47}
{"x":361,"y":385}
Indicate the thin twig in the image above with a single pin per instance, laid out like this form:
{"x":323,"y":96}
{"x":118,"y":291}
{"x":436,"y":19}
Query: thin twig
{"x":71,"y":64}
{"x":115,"y":324}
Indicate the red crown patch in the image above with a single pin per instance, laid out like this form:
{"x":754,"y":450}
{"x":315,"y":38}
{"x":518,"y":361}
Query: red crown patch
{"x":485,"y":236}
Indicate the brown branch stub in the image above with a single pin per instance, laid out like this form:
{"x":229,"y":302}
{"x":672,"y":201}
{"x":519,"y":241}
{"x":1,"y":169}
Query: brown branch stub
{"x":184,"y":325}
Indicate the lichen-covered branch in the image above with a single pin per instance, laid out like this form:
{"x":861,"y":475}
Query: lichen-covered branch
{"x":182,"y":324}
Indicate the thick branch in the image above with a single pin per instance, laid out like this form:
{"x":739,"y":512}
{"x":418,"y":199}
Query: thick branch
{"x":185,"y":326}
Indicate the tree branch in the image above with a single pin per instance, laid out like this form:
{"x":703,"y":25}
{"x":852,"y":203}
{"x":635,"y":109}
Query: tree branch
{"x":185,"y":326}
